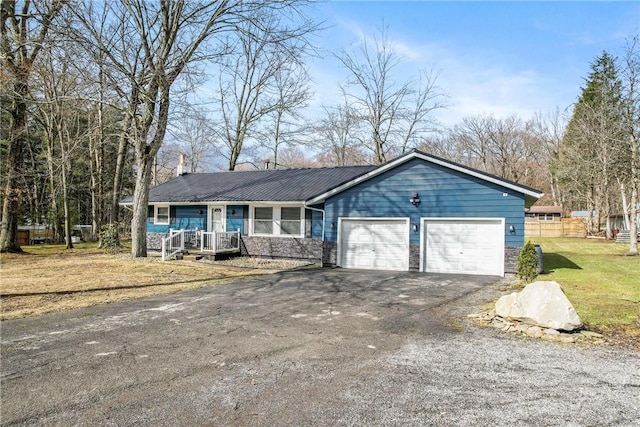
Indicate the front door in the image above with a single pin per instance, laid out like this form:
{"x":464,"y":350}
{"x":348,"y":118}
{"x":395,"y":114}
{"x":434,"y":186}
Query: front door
{"x":217,"y":219}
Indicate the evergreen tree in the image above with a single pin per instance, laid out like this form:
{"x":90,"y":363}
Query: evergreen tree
{"x":592,"y":151}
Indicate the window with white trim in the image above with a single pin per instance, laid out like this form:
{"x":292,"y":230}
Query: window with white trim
{"x":162,"y":216}
{"x":263,"y":220}
{"x":278,"y":221}
{"x":290,"y":221}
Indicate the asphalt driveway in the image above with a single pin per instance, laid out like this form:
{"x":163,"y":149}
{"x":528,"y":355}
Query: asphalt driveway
{"x":310,"y":347}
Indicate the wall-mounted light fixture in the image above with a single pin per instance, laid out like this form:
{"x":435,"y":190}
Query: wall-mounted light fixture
{"x":200,"y":211}
{"x":414,"y":227}
{"x":512,"y":229}
{"x":332,"y":225}
{"x":415,"y":200}
{"x":233,"y":211}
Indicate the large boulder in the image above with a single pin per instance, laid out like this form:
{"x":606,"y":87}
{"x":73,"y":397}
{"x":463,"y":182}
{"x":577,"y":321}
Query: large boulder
{"x":540,"y":303}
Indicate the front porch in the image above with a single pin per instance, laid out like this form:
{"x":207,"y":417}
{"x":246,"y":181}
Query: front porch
{"x":207,"y":243}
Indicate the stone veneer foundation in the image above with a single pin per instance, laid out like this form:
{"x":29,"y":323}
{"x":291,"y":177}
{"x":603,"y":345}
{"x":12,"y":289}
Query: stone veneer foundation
{"x":316,"y":250}
{"x":282,"y":247}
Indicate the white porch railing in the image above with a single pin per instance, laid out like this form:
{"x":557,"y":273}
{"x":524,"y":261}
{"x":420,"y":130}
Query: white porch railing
{"x":172,"y":244}
{"x":217,"y":242}
{"x":206,"y":241}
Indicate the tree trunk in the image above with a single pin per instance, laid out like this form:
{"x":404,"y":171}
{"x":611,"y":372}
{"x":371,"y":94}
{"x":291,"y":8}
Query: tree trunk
{"x":635,"y":190}
{"x":12,"y":194}
{"x":114,"y":212}
{"x":625,"y":206}
{"x":140,"y":206}
{"x":145,"y":156}
{"x":235,"y":153}
{"x":65,"y":204}
{"x":633,"y":239}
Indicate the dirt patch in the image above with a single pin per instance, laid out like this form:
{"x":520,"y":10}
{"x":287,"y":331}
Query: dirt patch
{"x":58,"y":279}
{"x":262,"y":263}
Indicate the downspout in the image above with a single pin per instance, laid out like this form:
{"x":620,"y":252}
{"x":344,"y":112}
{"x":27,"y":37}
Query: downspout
{"x":321,"y":211}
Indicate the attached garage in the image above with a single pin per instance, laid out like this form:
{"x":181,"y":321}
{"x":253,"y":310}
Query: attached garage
{"x":462,"y":246}
{"x":374,"y":243}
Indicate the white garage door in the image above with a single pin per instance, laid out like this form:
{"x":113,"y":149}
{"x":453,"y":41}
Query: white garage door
{"x":464,"y":246}
{"x":375,"y":244}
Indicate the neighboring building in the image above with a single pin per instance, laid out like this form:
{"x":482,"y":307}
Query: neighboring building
{"x":543,"y":213}
{"x":416,"y":212}
{"x":618,"y":223}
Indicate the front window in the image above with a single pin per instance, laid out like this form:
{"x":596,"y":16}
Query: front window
{"x":278,"y":221}
{"x":263,"y":221}
{"x":290,"y":221}
{"x":162,"y":215}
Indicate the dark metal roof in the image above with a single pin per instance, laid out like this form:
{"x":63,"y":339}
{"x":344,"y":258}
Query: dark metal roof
{"x":260,"y":185}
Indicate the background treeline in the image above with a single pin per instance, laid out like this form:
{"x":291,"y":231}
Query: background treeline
{"x":100,"y":98}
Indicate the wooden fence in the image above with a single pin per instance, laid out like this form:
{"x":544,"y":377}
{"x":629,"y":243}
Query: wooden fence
{"x":567,"y":227}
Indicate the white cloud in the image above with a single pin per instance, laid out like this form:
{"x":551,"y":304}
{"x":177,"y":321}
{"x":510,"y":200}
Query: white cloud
{"x":477,"y":82}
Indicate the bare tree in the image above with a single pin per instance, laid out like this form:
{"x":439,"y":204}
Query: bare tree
{"x":64,"y":122}
{"x":148,"y":46}
{"x":495,"y":145}
{"x":194,"y":136}
{"x":397,"y":114}
{"x":473,"y":138}
{"x":253,"y":83}
{"x":23,"y":33}
{"x":336,"y":136}
{"x":294,"y":157}
{"x":291,"y":92}
{"x":630,"y":72}
{"x":547,"y":132}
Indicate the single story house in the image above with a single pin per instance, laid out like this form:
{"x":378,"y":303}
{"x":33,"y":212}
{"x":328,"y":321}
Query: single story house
{"x":416,"y":212}
{"x":543,"y":213}
{"x":618,"y":221}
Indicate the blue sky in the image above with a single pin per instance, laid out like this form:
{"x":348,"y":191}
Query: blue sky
{"x":500,"y":58}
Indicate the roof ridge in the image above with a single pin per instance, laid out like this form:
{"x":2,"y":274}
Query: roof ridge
{"x":282,"y":170}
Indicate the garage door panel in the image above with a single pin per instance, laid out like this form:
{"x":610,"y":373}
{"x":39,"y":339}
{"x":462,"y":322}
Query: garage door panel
{"x":379,"y":244}
{"x":467,"y":246}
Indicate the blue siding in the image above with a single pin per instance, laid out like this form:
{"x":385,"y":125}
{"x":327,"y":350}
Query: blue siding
{"x":443,"y":193}
{"x":235,"y":218}
{"x":186,"y":217}
{"x":316,"y":225}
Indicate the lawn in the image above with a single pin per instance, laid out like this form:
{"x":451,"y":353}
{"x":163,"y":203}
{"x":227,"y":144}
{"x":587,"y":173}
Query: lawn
{"x":600,"y":281}
{"x":50,"y":278}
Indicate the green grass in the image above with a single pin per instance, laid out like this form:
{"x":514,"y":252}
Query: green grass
{"x":600,"y":281}
{"x":52,"y":248}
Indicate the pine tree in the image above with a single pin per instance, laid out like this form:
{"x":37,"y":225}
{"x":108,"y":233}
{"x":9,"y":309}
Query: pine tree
{"x":592,"y":149}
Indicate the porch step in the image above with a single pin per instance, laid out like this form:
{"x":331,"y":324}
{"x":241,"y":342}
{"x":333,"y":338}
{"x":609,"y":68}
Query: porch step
{"x":221,"y":256}
{"x":188,"y":257}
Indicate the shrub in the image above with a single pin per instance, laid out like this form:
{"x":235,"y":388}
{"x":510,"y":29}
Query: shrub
{"x":528,"y":263}
{"x":109,"y":238}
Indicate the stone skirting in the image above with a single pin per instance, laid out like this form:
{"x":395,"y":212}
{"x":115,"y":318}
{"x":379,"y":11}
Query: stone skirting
{"x":511,"y":259}
{"x":316,"y":250}
{"x":414,"y":257}
{"x":281,"y":247}
{"x":330,"y":254}
{"x":154,"y":241}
